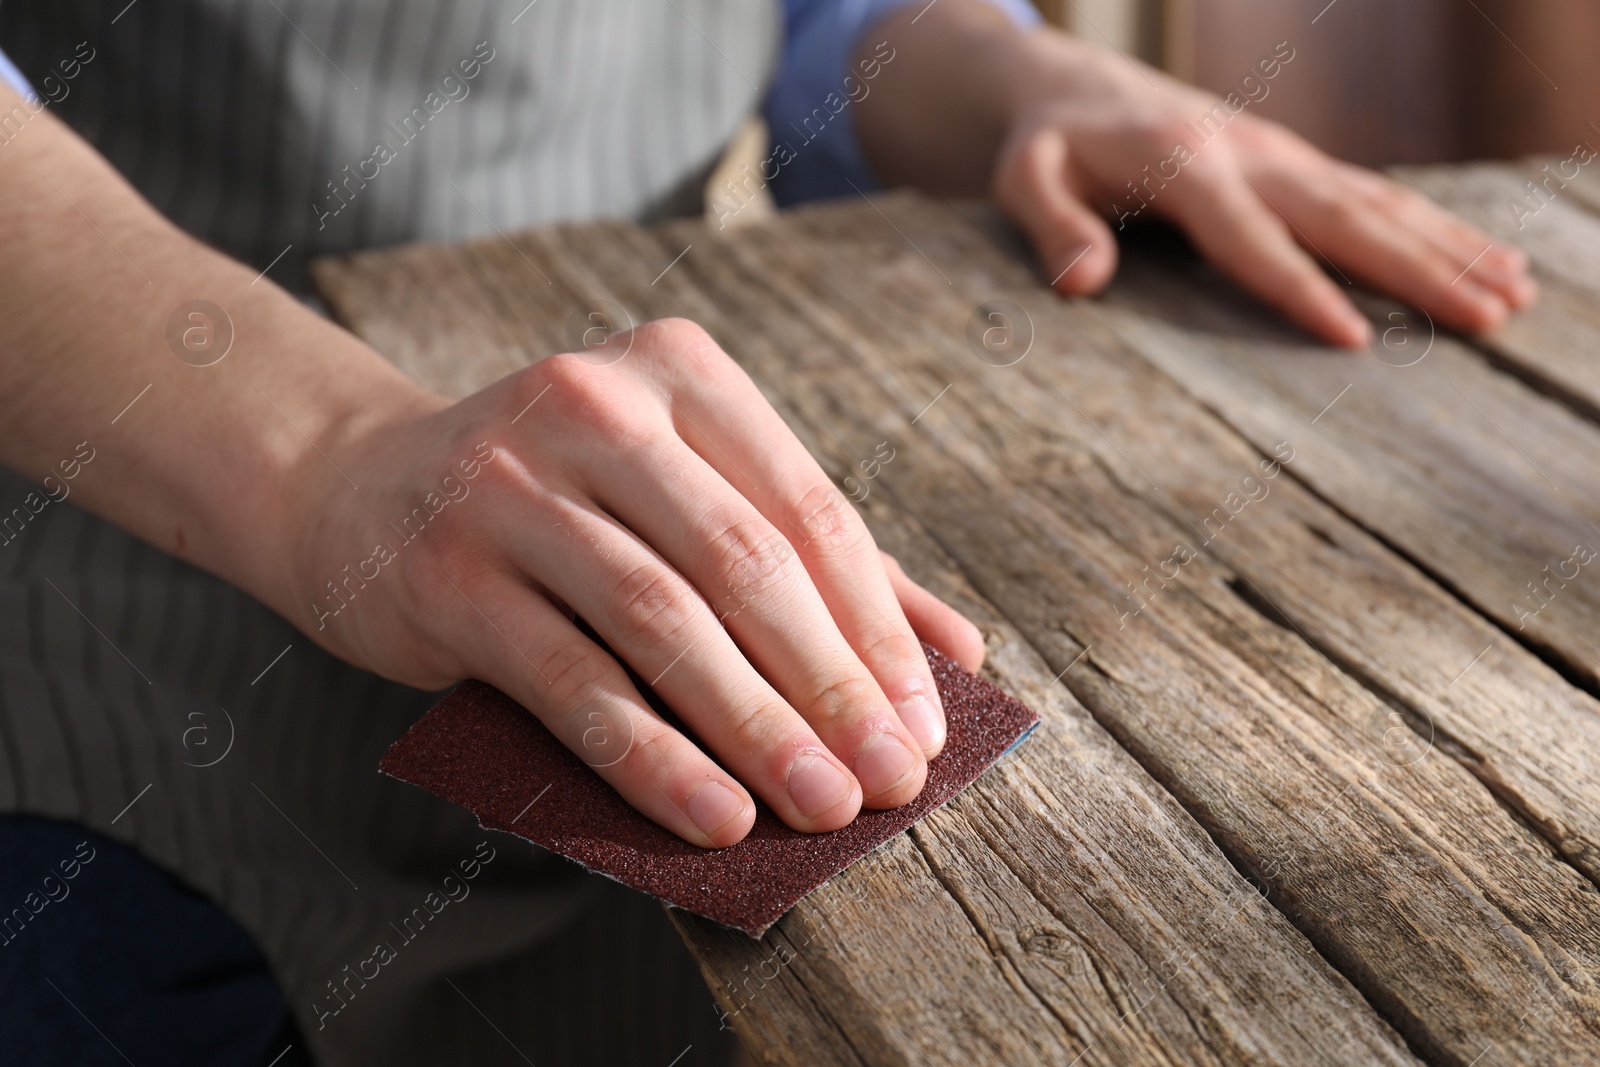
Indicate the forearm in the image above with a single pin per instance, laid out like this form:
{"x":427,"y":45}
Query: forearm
{"x":962,"y":71}
{"x":208,"y":463}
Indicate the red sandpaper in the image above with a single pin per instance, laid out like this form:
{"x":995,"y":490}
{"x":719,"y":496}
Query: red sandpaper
{"x":480,"y":749}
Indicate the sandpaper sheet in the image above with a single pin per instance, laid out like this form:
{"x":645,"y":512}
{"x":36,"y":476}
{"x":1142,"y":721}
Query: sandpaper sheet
{"x":480,"y":749}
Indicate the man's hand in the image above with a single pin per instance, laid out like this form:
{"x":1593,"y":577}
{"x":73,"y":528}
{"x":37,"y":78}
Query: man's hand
{"x":1067,"y":136}
{"x":663,"y":501}
{"x":659,"y":498}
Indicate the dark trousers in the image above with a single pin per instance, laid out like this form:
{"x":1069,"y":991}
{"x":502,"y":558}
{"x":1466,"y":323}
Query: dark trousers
{"x":107,"y":959}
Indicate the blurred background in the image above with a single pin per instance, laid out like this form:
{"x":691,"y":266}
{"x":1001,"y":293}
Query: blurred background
{"x":1381,"y":81}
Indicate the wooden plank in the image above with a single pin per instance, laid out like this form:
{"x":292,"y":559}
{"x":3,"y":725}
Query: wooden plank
{"x":1385,"y":454}
{"x":1065,"y":909}
{"x":1584,"y":187}
{"x":1016,"y":434}
{"x":1551,"y":345}
{"x":1415,"y":875}
{"x":1463,"y":468}
{"x":1531,"y":737}
{"x":1519,"y":726}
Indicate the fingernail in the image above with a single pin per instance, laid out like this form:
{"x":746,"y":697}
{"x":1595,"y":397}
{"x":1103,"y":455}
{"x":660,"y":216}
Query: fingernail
{"x":882,"y":763}
{"x":815,"y":784}
{"x":924,"y":722}
{"x":713,"y":806}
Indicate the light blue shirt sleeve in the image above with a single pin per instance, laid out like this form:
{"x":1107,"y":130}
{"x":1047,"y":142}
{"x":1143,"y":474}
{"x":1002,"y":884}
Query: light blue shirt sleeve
{"x":13,"y":77}
{"x":809,"y":111}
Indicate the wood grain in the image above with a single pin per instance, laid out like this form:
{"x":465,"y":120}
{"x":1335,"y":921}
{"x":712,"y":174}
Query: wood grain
{"x":1064,"y":907}
{"x":1157,"y":692}
{"x":1107,"y":928}
{"x":1294,"y":689}
{"x":1480,"y":479}
{"x":1552,"y":344}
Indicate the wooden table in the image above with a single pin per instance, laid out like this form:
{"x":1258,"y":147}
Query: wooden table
{"x":1315,"y":637}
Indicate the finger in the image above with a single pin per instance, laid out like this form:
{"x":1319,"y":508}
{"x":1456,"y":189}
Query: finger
{"x":1397,"y":242}
{"x":1395,"y":261}
{"x":1500,"y":269}
{"x":760,"y":457}
{"x":1234,"y":227}
{"x":766,"y":599}
{"x":1073,"y":243}
{"x":934,"y":621}
{"x":651,"y":617}
{"x":529,"y":650}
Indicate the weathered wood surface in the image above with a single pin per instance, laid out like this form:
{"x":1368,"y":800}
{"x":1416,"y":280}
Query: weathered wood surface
{"x":1064,"y":907}
{"x":1554,"y":344}
{"x":1330,"y":701}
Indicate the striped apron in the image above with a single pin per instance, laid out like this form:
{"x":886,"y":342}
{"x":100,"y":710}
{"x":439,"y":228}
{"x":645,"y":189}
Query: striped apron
{"x":160,"y":706}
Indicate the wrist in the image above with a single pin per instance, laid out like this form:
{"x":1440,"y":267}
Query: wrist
{"x":1051,"y":68}
{"x":938,"y":122}
{"x":312,"y":457}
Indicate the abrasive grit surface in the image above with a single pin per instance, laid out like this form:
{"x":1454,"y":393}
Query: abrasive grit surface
{"x":480,"y":749}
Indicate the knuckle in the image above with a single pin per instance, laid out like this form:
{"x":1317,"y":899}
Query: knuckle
{"x":1337,"y":208}
{"x":445,"y":569}
{"x":709,"y":363}
{"x":892,"y":645}
{"x":1377,"y":188}
{"x":845,"y":699}
{"x":747,"y":557}
{"x":651,"y":601}
{"x":530,"y":381}
{"x":463,"y":563}
{"x":673,"y":334}
{"x":572,"y":671}
{"x":1399,"y":202}
{"x":510,"y":477}
{"x":570,"y":382}
{"x":584,"y":393}
{"x":507,"y":468}
{"x":686,"y":349}
{"x":1372,"y":200}
{"x":651,"y":755}
{"x":826,"y":521}
{"x":1160,"y":127}
{"x":1267,"y":139}
{"x":753,"y":733}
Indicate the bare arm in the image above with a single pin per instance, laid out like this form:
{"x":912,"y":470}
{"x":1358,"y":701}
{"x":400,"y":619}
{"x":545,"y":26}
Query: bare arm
{"x":431,"y":541}
{"x":202,"y":465}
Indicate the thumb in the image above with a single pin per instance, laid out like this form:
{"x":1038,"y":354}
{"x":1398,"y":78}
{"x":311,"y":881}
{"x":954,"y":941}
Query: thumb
{"x":1075,"y":246}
